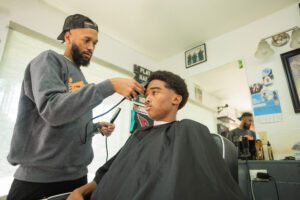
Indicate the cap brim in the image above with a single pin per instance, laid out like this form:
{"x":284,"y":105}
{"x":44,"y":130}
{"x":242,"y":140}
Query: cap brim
{"x":61,"y":36}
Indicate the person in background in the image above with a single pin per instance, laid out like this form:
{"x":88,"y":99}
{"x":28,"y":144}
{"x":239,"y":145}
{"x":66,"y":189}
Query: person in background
{"x":52,"y":137}
{"x":243,"y":130}
{"x":172,"y":160}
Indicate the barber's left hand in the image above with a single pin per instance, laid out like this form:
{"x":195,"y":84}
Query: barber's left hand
{"x":106,"y":128}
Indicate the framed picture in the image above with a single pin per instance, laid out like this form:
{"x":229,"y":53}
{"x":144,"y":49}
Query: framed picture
{"x":291,"y":64}
{"x":195,"y":56}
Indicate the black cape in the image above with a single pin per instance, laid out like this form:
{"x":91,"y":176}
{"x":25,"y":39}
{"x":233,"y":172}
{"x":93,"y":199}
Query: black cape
{"x":173,"y":161}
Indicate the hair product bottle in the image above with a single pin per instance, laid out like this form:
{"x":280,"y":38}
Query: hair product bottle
{"x":270,"y":152}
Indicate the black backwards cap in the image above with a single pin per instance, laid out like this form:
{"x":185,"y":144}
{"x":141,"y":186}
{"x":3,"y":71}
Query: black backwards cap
{"x":245,"y":114}
{"x":77,"y":21}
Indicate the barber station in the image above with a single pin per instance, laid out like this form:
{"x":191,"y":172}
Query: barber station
{"x":149,"y":100}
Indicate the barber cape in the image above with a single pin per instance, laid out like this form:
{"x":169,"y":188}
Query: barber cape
{"x":178,"y":160}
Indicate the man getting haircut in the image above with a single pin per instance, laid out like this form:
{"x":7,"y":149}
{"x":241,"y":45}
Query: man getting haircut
{"x":170,"y":160}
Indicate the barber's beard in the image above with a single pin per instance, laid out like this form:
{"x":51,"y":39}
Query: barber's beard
{"x":78,"y":57}
{"x":246,"y":127}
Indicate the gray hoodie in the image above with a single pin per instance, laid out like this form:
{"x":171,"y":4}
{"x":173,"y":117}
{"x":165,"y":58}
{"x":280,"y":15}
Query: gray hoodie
{"x":55,"y":105}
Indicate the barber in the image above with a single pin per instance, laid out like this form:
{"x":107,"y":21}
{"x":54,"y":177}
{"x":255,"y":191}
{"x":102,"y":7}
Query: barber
{"x":50,"y":144}
{"x":243,"y":130}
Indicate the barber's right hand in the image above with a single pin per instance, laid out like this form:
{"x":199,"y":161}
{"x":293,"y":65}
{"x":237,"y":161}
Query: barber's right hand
{"x":128,"y":88}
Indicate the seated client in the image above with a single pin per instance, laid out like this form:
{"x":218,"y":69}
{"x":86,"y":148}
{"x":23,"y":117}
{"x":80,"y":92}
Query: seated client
{"x":170,"y":160}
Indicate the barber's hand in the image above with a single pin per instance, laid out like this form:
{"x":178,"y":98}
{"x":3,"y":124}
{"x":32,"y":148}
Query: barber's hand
{"x":79,"y":193}
{"x":128,"y":88}
{"x":106,"y":128}
{"x":75,"y":195}
{"x":248,"y":137}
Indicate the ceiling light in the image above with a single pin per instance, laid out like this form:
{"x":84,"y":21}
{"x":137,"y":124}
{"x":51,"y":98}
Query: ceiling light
{"x":280,"y":39}
{"x":264,"y":49}
{"x":295,"y":43}
{"x":296,"y":146}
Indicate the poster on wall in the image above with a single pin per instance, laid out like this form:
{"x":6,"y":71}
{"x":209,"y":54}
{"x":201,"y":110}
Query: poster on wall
{"x":139,"y":116}
{"x":265,"y":98}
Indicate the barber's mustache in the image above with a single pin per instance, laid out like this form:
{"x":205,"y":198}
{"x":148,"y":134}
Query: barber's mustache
{"x":89,"y":52}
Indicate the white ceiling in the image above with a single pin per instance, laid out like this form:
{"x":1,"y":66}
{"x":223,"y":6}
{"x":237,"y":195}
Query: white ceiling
{"x":228,"y":83}
{"x":162,"y":28}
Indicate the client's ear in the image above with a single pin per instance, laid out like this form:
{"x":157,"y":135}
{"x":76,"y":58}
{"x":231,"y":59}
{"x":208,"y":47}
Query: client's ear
{"x":177,"y":99}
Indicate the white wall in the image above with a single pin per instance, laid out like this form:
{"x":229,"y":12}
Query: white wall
{"x":241,"y":44}
{"x":199,"y":113}
{"x":44,"y":19}
{"x":3,"y":35}
{"x":238,"y":44}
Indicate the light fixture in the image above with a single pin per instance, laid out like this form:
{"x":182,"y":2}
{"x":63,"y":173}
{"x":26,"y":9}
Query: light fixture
{"x":220,"y":108}
{"x":264,"y":49}
{"x":296,"y":146}
{"x":295,"y":43}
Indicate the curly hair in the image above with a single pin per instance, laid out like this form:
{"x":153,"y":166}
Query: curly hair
{"x":173,"y":82}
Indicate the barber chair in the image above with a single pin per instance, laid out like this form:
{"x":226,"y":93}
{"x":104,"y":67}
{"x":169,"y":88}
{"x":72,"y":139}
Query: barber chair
{"x":229,"y":153}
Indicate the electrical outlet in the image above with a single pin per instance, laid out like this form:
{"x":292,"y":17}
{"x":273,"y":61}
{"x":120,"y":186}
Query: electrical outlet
{"x":253,"y":172}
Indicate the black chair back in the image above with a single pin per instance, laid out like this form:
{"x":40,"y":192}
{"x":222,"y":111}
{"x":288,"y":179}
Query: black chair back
{"x":229,"y":153}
